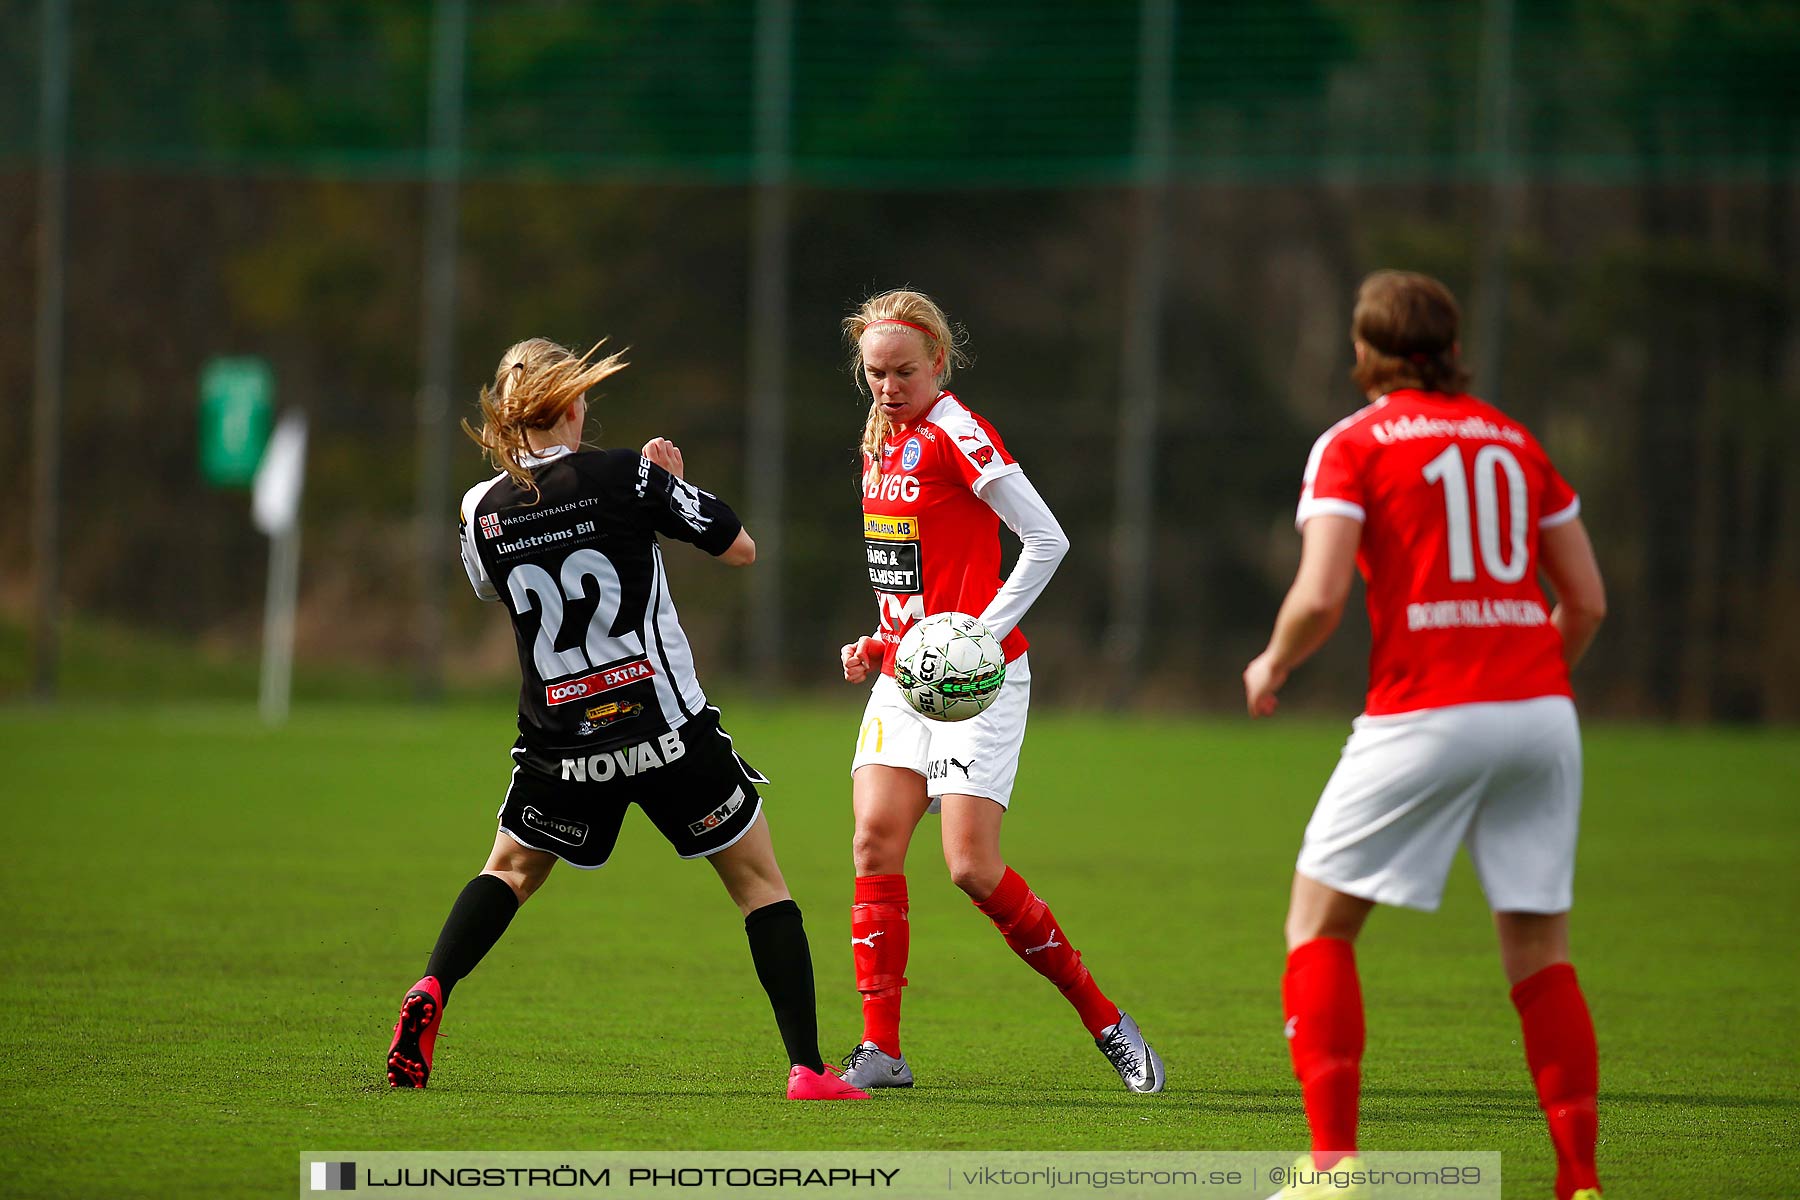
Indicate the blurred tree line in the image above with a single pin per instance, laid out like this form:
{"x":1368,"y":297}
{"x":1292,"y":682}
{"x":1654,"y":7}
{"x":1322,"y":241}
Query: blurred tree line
{"x":246,"y":178}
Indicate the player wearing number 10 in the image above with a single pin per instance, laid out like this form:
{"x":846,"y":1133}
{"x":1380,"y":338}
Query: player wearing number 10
{"x":611,"y":712}
{"x":1450,"y":509}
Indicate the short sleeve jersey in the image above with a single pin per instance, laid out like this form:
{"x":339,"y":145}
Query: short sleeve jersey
{"x":1452,"y":494}
{"x":930,"y":542}
{"x":602,"y":656}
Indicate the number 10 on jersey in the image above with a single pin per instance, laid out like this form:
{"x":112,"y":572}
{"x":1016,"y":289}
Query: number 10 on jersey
{"x":1504,"y":556}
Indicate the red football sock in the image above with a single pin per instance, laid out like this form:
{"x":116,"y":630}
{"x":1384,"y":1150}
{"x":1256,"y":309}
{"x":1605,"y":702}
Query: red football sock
{"x":1323,"y":1000}
{"x":1565,"y":1066}
{"x":1030,"y":928}
{"x":879,"y":940}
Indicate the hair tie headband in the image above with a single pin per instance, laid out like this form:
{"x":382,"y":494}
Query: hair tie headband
{"x":898,"y":321}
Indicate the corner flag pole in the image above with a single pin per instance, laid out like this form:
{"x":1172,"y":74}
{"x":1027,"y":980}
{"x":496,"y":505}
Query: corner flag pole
{"x":275,"y":504}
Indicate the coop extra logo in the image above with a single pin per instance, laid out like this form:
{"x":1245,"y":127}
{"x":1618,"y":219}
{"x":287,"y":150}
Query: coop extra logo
{"x":600,"y":681}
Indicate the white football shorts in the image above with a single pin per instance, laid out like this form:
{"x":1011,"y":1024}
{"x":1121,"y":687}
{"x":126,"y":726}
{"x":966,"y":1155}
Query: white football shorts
{"x":1503,"y":779}
{"x":976,"y":757}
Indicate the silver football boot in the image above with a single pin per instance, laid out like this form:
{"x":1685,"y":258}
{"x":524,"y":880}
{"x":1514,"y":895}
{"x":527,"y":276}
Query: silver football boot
{"x":867,"y":1067}
{"x":1131,"y":1056}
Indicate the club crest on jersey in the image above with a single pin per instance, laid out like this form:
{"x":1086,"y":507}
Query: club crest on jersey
{"x":490,"y":525}
{"x":910,"y":454}
{"x":572,"y":690}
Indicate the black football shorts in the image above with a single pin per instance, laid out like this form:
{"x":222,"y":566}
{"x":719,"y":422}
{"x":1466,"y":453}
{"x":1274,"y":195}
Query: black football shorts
{"x":689,"y":781}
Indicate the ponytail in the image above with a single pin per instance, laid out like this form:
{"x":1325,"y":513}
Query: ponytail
{"x":535,"y":385}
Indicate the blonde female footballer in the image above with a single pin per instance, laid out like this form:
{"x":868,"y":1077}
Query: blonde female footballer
{"x":611,"y":713}
{"x":936,"y":484}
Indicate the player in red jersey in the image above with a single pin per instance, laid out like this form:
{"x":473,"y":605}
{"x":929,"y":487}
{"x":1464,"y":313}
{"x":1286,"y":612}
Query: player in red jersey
{"x":937,"y":481}
{"x":1450,"y":509}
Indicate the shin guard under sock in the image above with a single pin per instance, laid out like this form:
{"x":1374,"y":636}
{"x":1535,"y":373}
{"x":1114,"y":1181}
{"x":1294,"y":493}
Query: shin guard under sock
{"x":1565,"y":1068}
{"x":880,"y":941}
{"x":480,"y":915}
{"x":784,"y":966}
{"x":1322,"y":997}
{"x":1032,"y":931}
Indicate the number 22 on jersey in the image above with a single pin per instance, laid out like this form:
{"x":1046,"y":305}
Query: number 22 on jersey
{"x":599,"y":646}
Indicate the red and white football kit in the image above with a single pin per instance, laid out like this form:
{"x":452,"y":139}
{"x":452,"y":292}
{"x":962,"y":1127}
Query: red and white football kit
{"x":931,"y":525}
{"x":1469,"y":736}
{"x":1452,"y":493}
{"x":1469,"y":733}
{"x":931,"y":542}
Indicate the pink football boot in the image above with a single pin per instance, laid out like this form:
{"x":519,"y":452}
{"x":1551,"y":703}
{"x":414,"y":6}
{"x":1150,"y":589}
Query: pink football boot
{"x":409,"y":1057}
{"x":817,"y":1085}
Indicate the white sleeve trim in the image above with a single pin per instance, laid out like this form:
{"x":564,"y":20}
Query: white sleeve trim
{"x":1325,"y":506}
{"x":1310,"y":507}
{"x":1317,"y":453}
{"x":1561,"y":516}
{"x":1011,"y":495}
{"x":471,"y":558}
{"x":956,"y":422}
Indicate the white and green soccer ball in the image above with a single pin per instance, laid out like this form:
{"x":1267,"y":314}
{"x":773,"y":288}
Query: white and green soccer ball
{"x":949,"y":667}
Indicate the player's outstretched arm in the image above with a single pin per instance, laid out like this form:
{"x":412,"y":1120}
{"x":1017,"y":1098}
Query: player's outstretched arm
{"x":1312,"y":609}
{"x":667,"y":455}
{"x":1568,"y":559}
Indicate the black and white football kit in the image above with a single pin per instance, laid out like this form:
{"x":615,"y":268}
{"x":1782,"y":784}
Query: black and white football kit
{"x":610,"y":709}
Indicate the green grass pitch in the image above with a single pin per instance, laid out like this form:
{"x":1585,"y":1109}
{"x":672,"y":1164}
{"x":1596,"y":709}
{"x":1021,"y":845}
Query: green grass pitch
{"x":208,"y":927}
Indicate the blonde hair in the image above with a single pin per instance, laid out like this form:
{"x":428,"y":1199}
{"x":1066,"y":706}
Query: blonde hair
{"x":943,"y":341}
{"x":534,"y":387}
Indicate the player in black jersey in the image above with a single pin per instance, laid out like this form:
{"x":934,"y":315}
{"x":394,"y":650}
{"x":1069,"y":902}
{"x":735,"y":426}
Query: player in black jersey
{"x":610,"y":710}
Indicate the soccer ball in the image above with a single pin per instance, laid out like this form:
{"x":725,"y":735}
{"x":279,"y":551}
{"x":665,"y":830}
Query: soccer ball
{"x":949,"y":667}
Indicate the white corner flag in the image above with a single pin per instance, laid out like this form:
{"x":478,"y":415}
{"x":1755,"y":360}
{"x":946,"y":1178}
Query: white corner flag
{"x":275,"y":506}
{"x":280,"y":478}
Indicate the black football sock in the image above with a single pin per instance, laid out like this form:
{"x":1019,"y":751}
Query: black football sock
{"x":477,"y":919}
{"x":784,"y":965}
